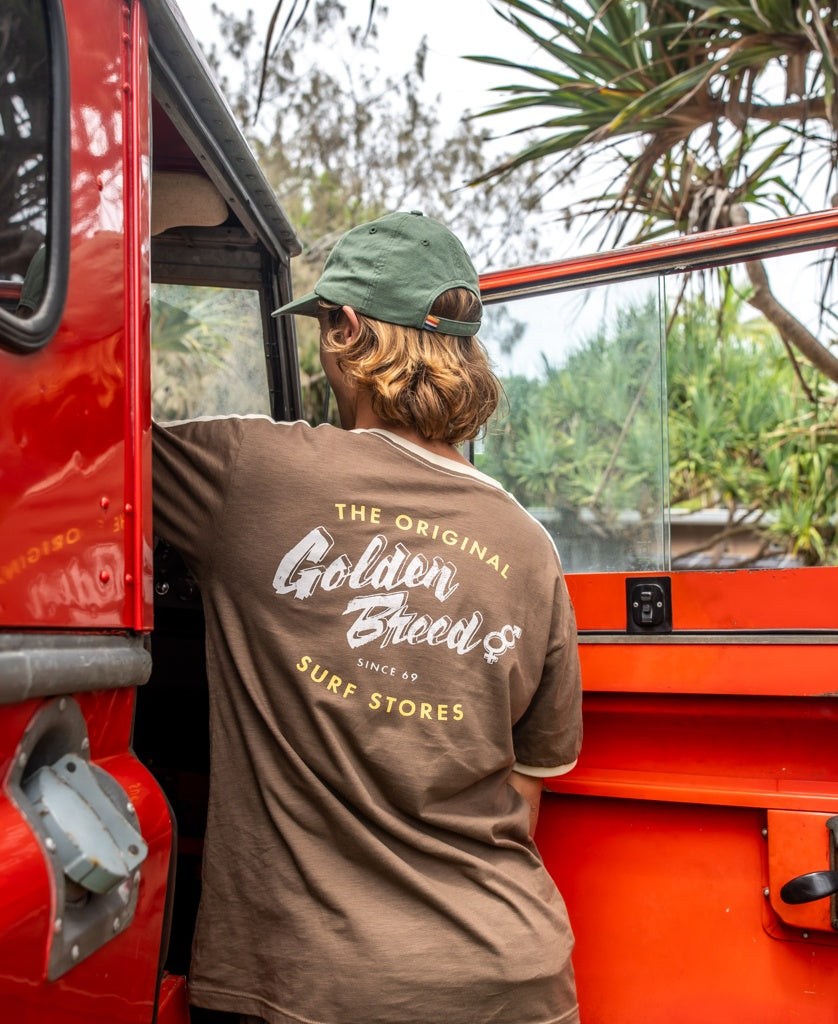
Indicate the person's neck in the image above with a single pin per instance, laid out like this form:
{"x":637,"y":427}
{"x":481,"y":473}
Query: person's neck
{"x":366,"y":419}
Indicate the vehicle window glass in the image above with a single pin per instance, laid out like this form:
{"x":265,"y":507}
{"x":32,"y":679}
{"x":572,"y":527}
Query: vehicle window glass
{"x":580,"y":440}
{"x":722,"y":455}
{"x":753,"y":445}
{"x":24,"y":148}
{"x":207,"y":352}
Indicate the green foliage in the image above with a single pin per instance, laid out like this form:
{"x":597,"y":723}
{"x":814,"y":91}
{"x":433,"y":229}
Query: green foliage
{"x":206,"y":352}
{"x":582,"y":443}
{"x":668,"y":99}
{"x":746,"y":435}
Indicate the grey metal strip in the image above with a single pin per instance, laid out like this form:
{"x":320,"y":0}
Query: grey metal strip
{"x":714,"y":639}
{"x":49,"y":664}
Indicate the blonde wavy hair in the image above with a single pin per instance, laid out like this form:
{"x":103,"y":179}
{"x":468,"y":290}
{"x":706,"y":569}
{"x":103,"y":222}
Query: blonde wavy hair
{"x":438,"y":384}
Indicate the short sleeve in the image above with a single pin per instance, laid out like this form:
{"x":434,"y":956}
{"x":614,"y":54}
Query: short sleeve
{"x":192,"y":471}
{"x":548,"y":736}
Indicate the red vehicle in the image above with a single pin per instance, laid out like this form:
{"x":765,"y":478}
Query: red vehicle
{"x":142,"y":248}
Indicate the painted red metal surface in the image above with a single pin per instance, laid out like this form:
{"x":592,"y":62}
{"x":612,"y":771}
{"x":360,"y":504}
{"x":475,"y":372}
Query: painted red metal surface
{"x":709,"y":764}
{"x":751,"y":752}
{"x":724,"y":246}
{"x":69,"y":500}
{"x":118,"y":983}
{"x":75,"y":523}
{"x":173,"y":1007}
{"x":671,"y":918}
{"x":790,"y":600}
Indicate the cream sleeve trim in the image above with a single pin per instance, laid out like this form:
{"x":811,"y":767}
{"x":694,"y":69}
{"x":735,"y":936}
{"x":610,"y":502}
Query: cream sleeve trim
{"x":543,"y":773}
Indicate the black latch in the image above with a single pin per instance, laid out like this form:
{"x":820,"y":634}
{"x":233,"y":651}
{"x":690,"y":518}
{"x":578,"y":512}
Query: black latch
{"x":649,"y":604}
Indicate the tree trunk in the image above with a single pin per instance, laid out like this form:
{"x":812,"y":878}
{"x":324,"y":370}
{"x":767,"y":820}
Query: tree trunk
{"x":792,"y":331}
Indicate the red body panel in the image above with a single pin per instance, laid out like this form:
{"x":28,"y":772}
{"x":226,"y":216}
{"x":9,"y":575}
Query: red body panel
{"x":71,"y":552}
{"x":708,"y":771}
{"x":118,"y":983}
{"x":671,"y":920}
{"x":75,"y":522}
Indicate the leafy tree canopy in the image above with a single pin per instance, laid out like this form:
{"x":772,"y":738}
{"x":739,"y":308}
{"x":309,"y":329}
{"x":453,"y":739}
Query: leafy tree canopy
{"x":683,"y":117}
{"x":341,"y":143}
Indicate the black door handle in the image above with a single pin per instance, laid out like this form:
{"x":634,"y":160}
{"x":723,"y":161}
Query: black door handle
{"x":812,"y":886}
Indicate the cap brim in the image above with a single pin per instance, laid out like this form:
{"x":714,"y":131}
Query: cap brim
{"x":305,"y":306}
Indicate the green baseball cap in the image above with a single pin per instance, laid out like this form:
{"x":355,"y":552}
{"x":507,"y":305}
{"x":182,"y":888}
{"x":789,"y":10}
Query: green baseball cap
{"x":394,"y":269}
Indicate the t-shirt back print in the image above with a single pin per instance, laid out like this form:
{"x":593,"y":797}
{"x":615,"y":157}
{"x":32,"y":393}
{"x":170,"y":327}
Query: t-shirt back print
{"x":388,"y":634}
{"x":380,"y":576}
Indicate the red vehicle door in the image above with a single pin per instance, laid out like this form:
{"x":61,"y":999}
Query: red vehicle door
{"x":122,"y":166}
{"x":686,"y":467}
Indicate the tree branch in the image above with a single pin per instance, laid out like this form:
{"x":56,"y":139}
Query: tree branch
{"x":792,"y":331}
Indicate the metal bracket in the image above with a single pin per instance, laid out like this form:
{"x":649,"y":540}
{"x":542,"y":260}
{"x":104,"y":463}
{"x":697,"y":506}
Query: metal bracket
{"x":87,"y":828}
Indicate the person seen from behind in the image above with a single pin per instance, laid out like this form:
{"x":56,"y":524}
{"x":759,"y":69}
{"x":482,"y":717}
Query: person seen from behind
{"x":392,"y":668}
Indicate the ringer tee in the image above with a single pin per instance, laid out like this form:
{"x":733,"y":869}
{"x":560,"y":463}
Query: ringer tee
{"x":388,"y":634}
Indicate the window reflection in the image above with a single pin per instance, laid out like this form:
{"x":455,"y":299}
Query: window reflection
{"x":24,"y":132}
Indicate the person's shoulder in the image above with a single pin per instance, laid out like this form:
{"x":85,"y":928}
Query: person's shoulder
{"x":529,"y":532}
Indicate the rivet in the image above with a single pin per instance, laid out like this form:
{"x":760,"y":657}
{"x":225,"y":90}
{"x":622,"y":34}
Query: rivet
{"x":22,"y":759}
{"x":129,"y":807}
{"x":62,"y":704}
{"x":85,"y":744}
{"x":104,"y":502}
{"x":129,"y":509}
{"x":116,"y":924}
{"x":766,"y":891}
{"x":75,"y":953}
{"x":129,"y":579}
{"x":104,"y":576}
{"x":805,"y":935}
{"x":59,"y":924}
{"x":49,"y":842}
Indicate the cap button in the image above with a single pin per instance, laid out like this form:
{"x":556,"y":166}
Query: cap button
{"x":417,"y":213}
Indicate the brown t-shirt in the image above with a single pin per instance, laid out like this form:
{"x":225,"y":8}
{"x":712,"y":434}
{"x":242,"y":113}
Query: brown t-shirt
{"x":388,"y":634}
